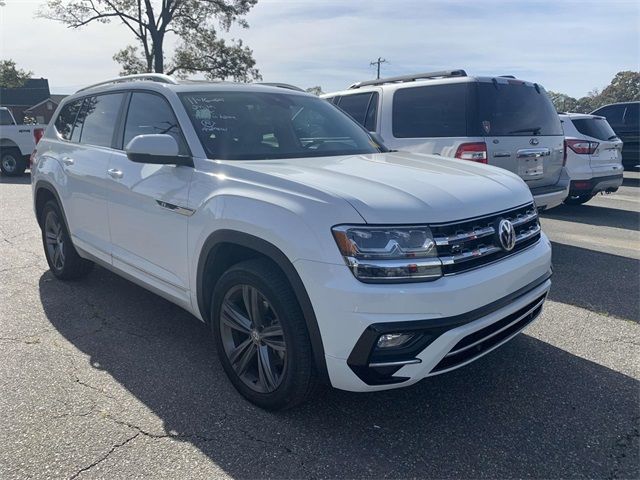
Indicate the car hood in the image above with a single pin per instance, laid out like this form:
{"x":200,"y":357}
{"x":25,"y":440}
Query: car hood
{"x":401,"y":187}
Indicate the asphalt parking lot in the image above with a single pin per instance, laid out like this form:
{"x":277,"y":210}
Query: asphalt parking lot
{"x":101,"y":379}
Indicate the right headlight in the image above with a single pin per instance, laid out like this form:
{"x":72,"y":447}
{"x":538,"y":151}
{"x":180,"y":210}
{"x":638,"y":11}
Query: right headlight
{"x":389,"y":254}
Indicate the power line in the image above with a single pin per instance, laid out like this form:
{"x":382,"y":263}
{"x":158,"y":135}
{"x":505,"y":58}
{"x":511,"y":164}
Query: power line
{"x":378,"y":63}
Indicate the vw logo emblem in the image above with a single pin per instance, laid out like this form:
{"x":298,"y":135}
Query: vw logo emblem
{"x":534,"y":141}
{"x":506,"y":235}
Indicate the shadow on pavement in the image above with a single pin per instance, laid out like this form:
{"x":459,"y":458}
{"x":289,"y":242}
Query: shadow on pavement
{"x":19,"y":180}
{"x":631,"y":182}
{"x":527,"y":410}
{"x":596,"y":215}
{"x":595,"y":280}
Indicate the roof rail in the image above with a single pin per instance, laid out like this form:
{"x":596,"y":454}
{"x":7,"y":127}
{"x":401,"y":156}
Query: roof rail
{"x":506,"y":76}
{"x":411,"y":78}
{"x":151,"y":77}
{"x":281,"y":85}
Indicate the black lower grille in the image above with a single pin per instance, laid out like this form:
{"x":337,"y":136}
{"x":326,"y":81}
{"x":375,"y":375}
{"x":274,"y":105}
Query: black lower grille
{"x":478,"y":342}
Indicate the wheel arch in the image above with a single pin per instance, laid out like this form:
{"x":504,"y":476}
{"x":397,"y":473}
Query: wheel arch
{"x":43,"y":192}
{"x":224,"y":248}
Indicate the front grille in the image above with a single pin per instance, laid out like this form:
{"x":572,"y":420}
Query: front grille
{"x":477,"y":343}
{"x":471,"y":243}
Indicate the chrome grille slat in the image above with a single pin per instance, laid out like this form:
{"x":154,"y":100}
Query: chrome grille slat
{"x":463,"y":237}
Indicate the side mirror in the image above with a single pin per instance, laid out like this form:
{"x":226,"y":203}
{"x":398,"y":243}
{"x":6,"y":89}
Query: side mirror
{"x":157,"y":149}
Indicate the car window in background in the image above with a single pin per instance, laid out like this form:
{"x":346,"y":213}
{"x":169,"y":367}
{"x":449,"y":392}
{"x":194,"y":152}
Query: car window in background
{"x":98,"y":117}
{"x":258,"y":126}
{"x":631,"y":115}
{"x":5,"y":118}
{"x":613,"y":113}
{"x":594,"y":127}
{"x":372,"y":113}
{"x":66,"y":118}
{"x":356,"y":106}
{"x":436,"y":111}
{"x":149,"y":113}
{"x":516,"y":109}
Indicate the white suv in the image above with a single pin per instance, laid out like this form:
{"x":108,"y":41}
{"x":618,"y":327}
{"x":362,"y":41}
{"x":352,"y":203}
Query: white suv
{"x":594,"y":156}
{"x":312,"y":253}
{"x":500,"y":121}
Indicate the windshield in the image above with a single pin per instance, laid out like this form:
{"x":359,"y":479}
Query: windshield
{"x":516,"y":109}
{"x":5,"y":118}
{"x":260,"y":126}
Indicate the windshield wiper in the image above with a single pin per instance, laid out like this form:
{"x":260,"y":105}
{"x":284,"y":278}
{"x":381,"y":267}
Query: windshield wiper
{"x":534,"y":130}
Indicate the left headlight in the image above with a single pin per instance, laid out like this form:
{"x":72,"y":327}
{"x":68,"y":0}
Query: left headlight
{"x":389,"y":254}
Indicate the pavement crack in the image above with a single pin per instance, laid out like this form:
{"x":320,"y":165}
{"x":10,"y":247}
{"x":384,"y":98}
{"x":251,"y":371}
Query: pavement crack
{"x":104,"y":457}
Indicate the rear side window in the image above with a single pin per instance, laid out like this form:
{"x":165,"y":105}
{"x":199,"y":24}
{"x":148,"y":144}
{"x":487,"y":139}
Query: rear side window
{"x":5,"y":118}
{"x":594,"y":127}
{"x":515,"y":109}
{"x":66,"y":118}
{"x":151,"y":114}
{"x":631,"y":114}
{"x":97,"y":119}
{"x":435,"y":111}
{"x":356,"y":106}
{"x":613,"y":113}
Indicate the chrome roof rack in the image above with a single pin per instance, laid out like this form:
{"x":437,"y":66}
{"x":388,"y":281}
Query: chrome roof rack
{"x":150,"y":77}
{"x":411,"y":78}
{"x":281,"y":85}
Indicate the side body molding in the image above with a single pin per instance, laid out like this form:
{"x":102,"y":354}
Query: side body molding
{"x":221,"y":237}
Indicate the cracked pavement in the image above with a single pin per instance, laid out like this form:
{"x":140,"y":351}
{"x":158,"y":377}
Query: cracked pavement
{"x":102,"y":379}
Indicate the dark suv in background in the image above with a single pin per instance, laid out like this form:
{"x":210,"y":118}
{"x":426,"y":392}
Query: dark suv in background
{"x":623,"y":118}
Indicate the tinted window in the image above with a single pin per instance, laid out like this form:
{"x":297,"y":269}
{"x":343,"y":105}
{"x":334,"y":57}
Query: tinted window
{"x":516,"y":109}
{"x":64,"y":122}
{"x":613,"y":113}
{"x":148,"y":114}
{"x":436,"y":111}
{"x":98,"y":117}
{"x":5,"y":118}
{"x":372,"y":113}
{"x":356,"y":106}
{"x":257,"y":125}
{"x":594,"y":127}
{"x":631,"y":114}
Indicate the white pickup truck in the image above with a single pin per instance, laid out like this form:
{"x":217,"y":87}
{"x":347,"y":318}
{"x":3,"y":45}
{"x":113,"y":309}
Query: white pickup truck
{"x":16,"y":143}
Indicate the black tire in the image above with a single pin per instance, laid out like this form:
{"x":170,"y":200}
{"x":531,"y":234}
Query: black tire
{"x":294,"y":369}
{"x":578,"y":199}
{"x":62,"y":257}
{"x":12,"y":163}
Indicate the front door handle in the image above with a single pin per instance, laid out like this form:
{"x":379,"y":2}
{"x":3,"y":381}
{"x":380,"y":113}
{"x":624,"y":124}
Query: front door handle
{"x":67,"y":160}
{"x":115,"y":173}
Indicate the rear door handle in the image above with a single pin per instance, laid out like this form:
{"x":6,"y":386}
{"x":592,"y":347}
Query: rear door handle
{"x":67,"y":160}
{"x":115,"y":173}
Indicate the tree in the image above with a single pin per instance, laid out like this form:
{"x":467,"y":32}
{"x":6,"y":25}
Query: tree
{"x":194,"y":22}
{"x":317,"y":90}
{"x":11,"y":76}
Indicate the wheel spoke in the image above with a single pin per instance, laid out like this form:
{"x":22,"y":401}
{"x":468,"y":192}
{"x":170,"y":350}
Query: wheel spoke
{"x":61,"y":254}
{"x":234,"y":319}
{"x":251,"y":299}
{"x":265,"y":373}
{"x":56,"y":257}
{"x":273,"y":337}
{"x":239,"y":350}
{"x":245,"y":359}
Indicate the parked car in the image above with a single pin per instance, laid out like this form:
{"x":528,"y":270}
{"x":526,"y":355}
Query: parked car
{"x":16,"y":143}
{"x":500,"y":121}
{"x":312,"y":252}
{"x":594,"y":158}
{"x":624,"y":119}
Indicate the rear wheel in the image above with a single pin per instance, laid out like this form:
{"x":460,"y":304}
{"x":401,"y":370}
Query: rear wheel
{"x":62,"y":257}
{"x":11,"y":162}
{"x":578,"y":199}
{"x":261,"y":336}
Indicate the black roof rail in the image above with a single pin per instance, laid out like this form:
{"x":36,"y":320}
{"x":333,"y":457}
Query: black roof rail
{"x":411,"y":78}
{"x":281,"y":85}
{"x":507,"y":76}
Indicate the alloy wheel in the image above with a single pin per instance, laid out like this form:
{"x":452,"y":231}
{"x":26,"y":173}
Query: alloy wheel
{"x":9,"y":163}
{"x":253,"y":338}
{"x":55,"y":241}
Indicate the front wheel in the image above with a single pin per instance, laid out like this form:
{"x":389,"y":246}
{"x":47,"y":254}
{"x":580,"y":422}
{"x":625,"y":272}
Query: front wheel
{"x":12,"y":163}
{"x":261,"y":336}
{"x":578,"y":199}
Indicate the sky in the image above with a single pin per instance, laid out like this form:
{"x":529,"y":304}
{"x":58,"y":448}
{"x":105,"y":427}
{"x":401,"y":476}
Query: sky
{"x":567,"y":46}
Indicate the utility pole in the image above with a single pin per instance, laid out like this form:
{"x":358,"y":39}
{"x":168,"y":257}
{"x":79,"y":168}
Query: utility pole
{"x":378,"y":62}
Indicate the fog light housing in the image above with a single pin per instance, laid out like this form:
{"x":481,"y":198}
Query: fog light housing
{"x":393,"y":340}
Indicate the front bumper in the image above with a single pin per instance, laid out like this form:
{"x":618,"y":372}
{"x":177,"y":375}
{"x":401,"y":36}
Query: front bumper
{"x":609,"y":183}
{"x":453,"y":306}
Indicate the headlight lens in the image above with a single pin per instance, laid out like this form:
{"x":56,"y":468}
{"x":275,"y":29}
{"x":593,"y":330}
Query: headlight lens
{"x":389,"y":254}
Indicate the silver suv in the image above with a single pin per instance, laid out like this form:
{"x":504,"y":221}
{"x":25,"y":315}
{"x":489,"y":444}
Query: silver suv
{"x":501,"y":121}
